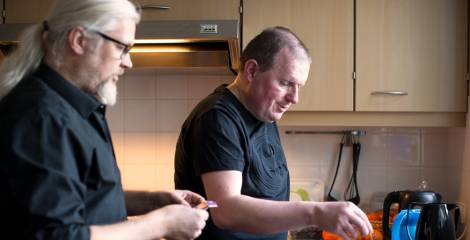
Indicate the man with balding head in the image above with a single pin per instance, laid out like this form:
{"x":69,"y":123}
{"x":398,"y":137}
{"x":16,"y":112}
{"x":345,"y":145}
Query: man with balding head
{"x":229,"y":149}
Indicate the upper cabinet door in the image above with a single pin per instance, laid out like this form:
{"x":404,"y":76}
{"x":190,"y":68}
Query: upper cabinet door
{"x":326,"y":28}
{"x":411,"y":55}
{"x":189,"y":9}
{"x":26,"y":11}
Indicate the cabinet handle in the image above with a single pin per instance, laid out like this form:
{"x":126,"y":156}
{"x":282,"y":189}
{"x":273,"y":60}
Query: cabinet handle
{"x":157,"y":7}
{"x":395,"y":93}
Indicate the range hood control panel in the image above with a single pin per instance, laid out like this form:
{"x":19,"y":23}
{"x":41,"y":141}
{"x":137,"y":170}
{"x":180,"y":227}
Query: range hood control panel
{"x":208,"y":28}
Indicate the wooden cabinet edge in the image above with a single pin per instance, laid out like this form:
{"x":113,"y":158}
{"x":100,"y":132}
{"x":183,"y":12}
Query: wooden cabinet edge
{"x":374,"y":119}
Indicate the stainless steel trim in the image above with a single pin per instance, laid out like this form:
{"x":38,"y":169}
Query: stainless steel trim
{"x":394,"y":93}
{"x":184,"y":29}
{"x":188,"y":31}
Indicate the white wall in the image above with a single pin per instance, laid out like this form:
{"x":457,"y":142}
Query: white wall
{"x":153,"y":104}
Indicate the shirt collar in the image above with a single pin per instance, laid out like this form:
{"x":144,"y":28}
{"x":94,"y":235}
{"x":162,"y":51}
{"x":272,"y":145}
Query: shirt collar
{"x":250,"y":119}
{"x":84,"y":103}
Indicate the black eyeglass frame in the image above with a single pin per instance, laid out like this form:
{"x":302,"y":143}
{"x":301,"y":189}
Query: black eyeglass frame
{"x":126,"y":47}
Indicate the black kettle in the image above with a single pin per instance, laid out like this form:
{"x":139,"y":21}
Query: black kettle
{"x":437,"y":221}
{"x":404,"y":198}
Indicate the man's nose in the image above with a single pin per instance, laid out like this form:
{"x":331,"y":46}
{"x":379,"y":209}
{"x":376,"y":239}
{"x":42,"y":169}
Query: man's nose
{"x":293,"y":95}
{"x":126,"y":61}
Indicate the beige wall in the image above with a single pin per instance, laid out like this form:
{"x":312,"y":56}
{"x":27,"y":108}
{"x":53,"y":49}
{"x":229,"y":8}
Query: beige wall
{"x":153,"y":104}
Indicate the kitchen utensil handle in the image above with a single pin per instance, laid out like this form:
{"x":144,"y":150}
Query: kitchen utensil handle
{"x":389,"y":200}
{"x":394,"y":93}
{"x":462,"y":212}
{"x":157,"y":7}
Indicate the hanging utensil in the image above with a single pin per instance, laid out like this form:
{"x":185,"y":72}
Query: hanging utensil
{"x":352,"y":192}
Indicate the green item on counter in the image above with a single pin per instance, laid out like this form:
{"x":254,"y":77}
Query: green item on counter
{"x":302,"y":193}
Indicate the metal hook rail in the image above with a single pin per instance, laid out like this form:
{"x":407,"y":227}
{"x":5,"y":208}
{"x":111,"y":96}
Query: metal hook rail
{"x":351,"y":136}
{"x":350,"y":132}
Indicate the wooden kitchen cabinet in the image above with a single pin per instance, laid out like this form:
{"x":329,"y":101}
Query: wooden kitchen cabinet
{"x":26,"y":11}
{"x":189,"y":10}
{"x":326,"y":28}
{"x":29,"y":11}
{"x":418,"y":47}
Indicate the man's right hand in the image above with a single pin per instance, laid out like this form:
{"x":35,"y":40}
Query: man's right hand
{"x":172,"y":222}
{"x":343,"y":218}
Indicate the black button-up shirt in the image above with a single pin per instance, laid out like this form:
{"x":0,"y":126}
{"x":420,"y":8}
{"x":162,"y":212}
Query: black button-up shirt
{"x":57,"y":167}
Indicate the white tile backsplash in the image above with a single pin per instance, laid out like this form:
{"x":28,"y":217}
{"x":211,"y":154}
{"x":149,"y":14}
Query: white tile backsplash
{"x":299,"y":148}
{"x":200,"y":86}
{"x":140,"y":84}
{"x":140,"y":148}
{"x":172,"y":87}
{"x":402,"y":177}
{"x":456,"y":142}
{"x":371,"y":180}
{"x":435,"y":157}
{"x":165,"y":173}
{"x":166,"y":145}
{"x":171,"y":114}
{"x":140,"y":177}
{"x":309,"y":172}
{"x":374,"y":149}
{"x":404,"y":149}
{"x":445,"y":180}
{"x":140,"y":115}
{"x":147,"y":120}
{"x":115,"y":117}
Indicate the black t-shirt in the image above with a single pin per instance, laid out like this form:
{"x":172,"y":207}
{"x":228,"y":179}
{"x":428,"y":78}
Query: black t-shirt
{"x":220,"y":134}
{"x":57,"y":165}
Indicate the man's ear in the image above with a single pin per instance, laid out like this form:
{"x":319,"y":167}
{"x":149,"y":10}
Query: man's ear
{"x":76,"y":40}
{"x":250,"y":69}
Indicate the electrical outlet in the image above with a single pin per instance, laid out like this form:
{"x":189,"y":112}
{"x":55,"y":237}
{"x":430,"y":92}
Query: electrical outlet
{"x":208,"y":28}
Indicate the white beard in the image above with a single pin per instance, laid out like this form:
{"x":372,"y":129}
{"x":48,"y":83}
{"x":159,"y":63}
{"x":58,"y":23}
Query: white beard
{"x":107,"y":93}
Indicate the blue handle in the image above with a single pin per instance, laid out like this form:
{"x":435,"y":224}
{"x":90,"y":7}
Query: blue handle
{"x":404,"y":225}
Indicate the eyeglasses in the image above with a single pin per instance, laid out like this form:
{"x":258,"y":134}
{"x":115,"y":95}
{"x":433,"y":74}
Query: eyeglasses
{"x":125,"y":47}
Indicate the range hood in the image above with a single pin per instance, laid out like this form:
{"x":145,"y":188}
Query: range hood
{"x":195,"y":44}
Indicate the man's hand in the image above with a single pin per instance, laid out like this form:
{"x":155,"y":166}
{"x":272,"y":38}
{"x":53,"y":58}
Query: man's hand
{"x":172,"y":222}
{"x":190,"y":198}
{"x":184,"y":197}
{"x":343,"y":218}
{"x":182,"y":222}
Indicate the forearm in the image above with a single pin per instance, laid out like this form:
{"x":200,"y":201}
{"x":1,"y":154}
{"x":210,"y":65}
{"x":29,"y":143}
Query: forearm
{"x":141,"y":227}
{"x":138,"y":202}
{"x":174,"y":221}
{"x":259,"y":216}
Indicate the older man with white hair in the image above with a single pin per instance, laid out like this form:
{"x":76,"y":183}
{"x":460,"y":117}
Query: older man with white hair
{"x":58,"y":169}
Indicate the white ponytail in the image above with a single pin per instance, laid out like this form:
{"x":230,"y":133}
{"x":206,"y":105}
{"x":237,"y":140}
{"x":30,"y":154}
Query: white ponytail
{"x":65,"y":15}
